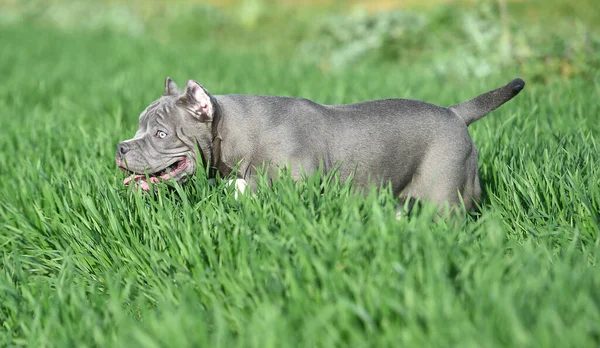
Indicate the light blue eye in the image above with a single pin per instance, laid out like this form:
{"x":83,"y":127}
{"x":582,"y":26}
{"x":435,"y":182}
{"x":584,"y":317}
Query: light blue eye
{"x":161,"y":134}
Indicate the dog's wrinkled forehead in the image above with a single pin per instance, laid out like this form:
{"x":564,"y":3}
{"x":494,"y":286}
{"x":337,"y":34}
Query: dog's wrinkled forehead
{"x":159,"y":109}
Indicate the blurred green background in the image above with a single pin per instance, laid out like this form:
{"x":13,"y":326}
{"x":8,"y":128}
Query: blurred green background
{"x":541,"y":40}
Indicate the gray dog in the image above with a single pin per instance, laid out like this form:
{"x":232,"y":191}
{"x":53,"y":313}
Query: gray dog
{"x":422,"y":150}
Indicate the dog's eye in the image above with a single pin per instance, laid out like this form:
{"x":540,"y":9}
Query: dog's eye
{"x":161,"y":134}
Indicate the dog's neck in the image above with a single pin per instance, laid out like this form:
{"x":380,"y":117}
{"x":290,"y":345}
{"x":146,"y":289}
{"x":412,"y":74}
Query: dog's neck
{"x":211,"y":151}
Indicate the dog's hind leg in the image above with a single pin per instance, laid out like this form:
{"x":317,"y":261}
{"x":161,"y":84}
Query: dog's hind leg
{"x":445,"y":178}
{"x":471,"y":192}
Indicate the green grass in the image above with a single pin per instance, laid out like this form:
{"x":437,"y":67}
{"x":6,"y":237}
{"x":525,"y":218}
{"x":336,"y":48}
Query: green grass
{"x":86,"y":262}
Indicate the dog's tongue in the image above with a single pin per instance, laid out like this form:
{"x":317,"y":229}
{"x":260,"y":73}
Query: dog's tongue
{"x":143,"y":185}
{"x":141,"y":181}
{"x":134,"y":177}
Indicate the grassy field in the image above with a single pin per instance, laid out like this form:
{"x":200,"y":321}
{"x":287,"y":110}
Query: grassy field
{"x":85,"y":262}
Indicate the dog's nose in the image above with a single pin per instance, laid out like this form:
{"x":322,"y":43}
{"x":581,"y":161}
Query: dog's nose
{"x":122,"y":148}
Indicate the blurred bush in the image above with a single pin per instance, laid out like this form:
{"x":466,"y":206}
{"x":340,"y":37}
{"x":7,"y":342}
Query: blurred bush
{"x":474,"y":40}
{"x":340,"y":40}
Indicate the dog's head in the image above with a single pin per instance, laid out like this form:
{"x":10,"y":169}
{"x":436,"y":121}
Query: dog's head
{"x":169,"y":130}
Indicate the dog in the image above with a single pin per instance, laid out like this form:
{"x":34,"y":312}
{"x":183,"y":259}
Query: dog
{"x":423,"y":151}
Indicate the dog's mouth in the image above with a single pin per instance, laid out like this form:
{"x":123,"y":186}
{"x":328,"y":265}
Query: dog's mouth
{"x":175,"y":170}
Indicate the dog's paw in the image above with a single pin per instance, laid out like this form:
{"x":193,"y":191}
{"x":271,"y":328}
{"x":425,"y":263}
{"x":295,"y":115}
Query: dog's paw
{"x":240,"y":187}
{"x":401,"y":215}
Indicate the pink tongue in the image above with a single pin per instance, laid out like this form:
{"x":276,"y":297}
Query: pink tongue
{"x":140,"y":181}
{"x":131,"y":178}
{"x":144,"y":185}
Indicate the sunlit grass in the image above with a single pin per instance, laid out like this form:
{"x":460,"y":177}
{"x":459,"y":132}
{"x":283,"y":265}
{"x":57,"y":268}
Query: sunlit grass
{"x":86,"y":262}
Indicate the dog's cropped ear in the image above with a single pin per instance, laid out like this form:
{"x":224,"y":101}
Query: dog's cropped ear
{"x":198,"y":101}
{"x":171,"y":87}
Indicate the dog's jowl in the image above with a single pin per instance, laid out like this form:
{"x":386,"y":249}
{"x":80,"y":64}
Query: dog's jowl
{"x":422,"y":150}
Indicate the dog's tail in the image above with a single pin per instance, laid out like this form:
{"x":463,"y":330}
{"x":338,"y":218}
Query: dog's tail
{"x":474,"y":109}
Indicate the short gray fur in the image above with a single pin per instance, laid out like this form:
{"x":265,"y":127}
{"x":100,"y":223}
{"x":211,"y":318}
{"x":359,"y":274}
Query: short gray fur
{"x":424,"y":151}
